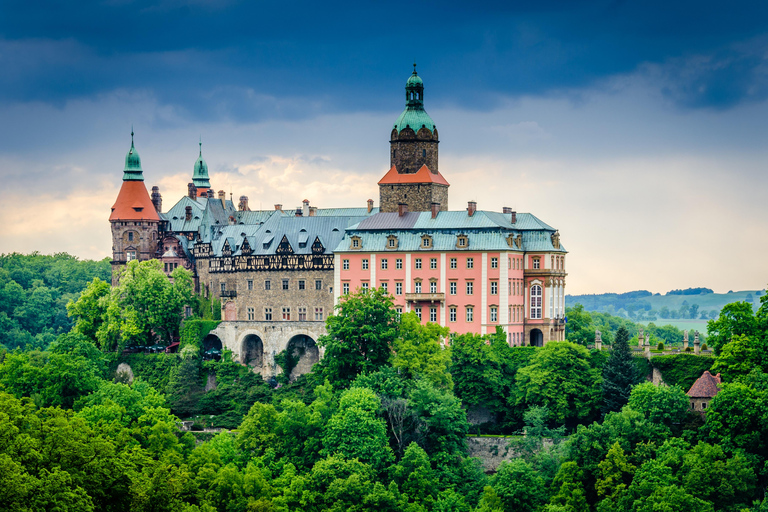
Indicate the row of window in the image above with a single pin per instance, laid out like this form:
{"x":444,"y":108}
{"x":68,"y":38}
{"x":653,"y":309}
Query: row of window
{"x":286,"y":314}
{"x":516,"y":286}
{"x":418,"y":263}
{"x":285,"y":283}
{"x":170,"y":267}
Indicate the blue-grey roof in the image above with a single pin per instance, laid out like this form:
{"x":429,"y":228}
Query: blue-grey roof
{"x":486,"y":231}
{"x":177,"y":215}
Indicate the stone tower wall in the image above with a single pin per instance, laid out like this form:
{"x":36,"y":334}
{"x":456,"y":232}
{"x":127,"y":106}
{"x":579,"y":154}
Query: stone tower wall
{"x":409,"y":155}
{"x":418,"y":196}
{"x":129,"y":235}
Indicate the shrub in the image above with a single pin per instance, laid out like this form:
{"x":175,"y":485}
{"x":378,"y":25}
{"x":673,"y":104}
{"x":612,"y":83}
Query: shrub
{"x":681,"y":369}
{"x":687,"y":349}
{"x":660,"y":346}
{"x":704,"y":347}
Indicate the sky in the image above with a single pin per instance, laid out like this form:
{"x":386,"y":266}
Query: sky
{"x":638,"y":129}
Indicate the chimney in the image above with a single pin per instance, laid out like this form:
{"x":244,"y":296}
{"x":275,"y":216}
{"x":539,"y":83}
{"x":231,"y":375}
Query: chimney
{"x":312,"y":211}
{"x":232,"y":220}
{"x":192,"y":191}
{"x":279,"y":207}
{"x":188,"y":215}
{"x":223,"y":199}
{"x":243,"y":205}
{"x":157,"y":199}
{"x":471,"y":207}
{"x":435,"y":209}
{"x":209,"y":193}
{"x":305,"y":208}
{"x":506,"y":209}
{"x":402,"y":209}
{"x":299,"y":211}
{"x":513,"y":218}
{"x":370,"y":205}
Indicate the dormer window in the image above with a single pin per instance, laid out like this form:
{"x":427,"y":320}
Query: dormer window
{"x":392,"y":242}
{"x":356,"y":242}
{"x":462,"y":241}
{"x":426,"y":242}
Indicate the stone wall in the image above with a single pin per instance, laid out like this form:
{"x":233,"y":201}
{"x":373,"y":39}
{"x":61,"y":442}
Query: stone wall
{"x":409,"y":155}
{"x":492,"y":451}
{"x":255,"y":298}
{"x":139,"y":236}
{"x":418,"y":196}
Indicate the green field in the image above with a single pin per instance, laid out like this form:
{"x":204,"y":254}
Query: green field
{"x":683,"y":325}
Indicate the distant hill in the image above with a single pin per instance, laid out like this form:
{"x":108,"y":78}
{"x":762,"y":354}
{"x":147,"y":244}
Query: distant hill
{"x":690,"y":306}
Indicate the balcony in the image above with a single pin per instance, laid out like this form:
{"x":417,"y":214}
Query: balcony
{"x":229,"y":293}
{"x":424,"y":297}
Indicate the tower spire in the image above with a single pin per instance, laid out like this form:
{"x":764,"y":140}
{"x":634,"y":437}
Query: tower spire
{"x":201,"y":145}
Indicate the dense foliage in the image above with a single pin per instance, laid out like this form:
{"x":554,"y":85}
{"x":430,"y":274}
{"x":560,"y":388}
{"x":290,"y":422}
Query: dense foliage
{"x":383,"y":429}
{"x":34,"y":292}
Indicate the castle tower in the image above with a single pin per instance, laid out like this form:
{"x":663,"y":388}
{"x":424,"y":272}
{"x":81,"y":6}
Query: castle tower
{"x":200,"y":174}
{"x":134,"y":219}
{"x":413,"y":178}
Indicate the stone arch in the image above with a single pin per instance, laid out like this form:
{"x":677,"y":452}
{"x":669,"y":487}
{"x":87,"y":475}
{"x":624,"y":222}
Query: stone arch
{"x":304,"y":348}
{"x":252,"y":350}
{"x":536,"y":338}
{"x":212,"y":347}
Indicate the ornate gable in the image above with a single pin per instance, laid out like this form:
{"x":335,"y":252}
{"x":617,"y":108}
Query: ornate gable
{"x":317,"y":246}
{"x":284,"y":247}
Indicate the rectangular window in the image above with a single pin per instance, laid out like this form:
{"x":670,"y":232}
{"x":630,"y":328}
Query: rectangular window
{"x":267,"y":284}
{"x":285,"y":284}
{"x":418,"y":312}
{"x":223,"y":287}
{"x":433,"y":314}
{"x":355,"y":243}
{"x":399,"y":263}
{"x":391,"y":242}
{"x":494,"y":314}
{"x":130,"y":236}
{"x":384,"y":286}
{"x":470,"y":287}
{"x":365,"y":264}
{"x":494,"y":262}
{"x":433,"y":263}
{"x":384,"y":264}
{"x":302,"y":314}
{"x":454,"y":263}
{"x":130,"y":255}
{"x":399,"y":310}
{"x":536,"y":263}
{"x":398,"y":288}
{"x":470,"y":314}
{"x":494,"y":287}
{"x":417,"y":287}
{"x":433,"y":287}
{"x":318,"y":284}
{"x":345,"y":288}
{"x":345,"y":264}
{"x":318,"y":314}
{"x":250,"y":284}
{"x":365,"y":287}
{"x":418,"y":263}
{"x":452,"y":288}
{"x":452,"y":313}
{"x":470,"y":262}
{"x":302,"y":285}
{"x":251,"y":314}
{"x":267,"y":314}
{"x":286,"y":313}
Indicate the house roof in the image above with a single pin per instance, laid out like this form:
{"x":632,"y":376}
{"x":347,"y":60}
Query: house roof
{"x":133,"y":203}
{"x":423,"y":175}
{"x":706,"y":386}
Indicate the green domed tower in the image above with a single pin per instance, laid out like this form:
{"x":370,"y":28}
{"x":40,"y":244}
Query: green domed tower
{"x":200,"y":174}
{"x":132,"y":171}
{"x":413,"y":179}
{"x":414,"y":141}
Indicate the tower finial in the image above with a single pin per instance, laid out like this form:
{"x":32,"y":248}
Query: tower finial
{"x":414,"y":67}
{"x":201,"y":145}
{"x":131,"y":135}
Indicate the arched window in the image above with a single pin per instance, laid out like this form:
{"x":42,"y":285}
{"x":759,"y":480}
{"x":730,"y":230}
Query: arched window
{"x":535,"y":302}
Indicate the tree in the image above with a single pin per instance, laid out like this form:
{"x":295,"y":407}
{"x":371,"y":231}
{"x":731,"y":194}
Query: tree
{"x":740,"y":356}
{"x":619,"y":374}
{"x":355,"y":431}
{"x":360,"y":336}
{"x":561,"y":378}
{"x":442,"y":422}
{"x":736,"y":318}
{"x":568,"y":489}
{"x":615,"y":475}
{"x":90,"y":308}
{"x":580,"y":328}
{"x":519,"y":487}
{"x":418,"y":351}
{"x":665,"y":405}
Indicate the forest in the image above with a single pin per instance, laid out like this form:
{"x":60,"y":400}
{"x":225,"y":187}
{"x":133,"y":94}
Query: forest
{"x":381,"y":421}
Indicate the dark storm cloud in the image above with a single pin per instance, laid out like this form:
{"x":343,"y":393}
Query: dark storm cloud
{"x":255,"y":60}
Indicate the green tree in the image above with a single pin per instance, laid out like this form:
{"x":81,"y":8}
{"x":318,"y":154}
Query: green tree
{"x":665,"y":405}
{"x":356,"y":432}
{"x":739,"y":356}
{"x":615,"y":475}
{"x":736,"y":319}
{"x":418,"y":351}
{"x":619,"y":374}
{"x":519,"y":487}
{"x":89,"y":310}
{"x":360,"y":336}
{"x":580,"y":328}
{"x":442,"y":422}
{"x":561,"y":378}
{"x":568,"y":489}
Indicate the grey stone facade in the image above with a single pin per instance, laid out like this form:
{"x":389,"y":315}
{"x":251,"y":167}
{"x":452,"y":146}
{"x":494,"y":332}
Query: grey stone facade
{"x":408,"y":151}
{"x":418,"y":196}
{"x":132,"y":240}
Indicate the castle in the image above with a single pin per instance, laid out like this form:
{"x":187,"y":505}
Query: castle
{"x":279,"y":272}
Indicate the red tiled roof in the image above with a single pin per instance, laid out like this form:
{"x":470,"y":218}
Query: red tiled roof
{"x":423,"y":175}
{"x":705,"y":386}
{"x":133,"y":203}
